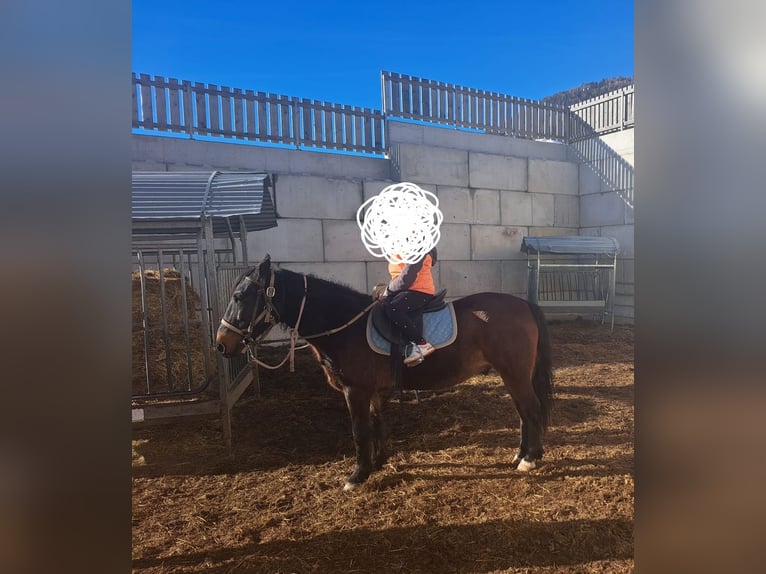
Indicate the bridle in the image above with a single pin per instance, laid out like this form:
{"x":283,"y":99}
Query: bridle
{"x":270,"y":315}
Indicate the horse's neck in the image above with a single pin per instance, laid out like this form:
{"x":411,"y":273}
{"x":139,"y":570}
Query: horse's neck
{"x":321,"y":311}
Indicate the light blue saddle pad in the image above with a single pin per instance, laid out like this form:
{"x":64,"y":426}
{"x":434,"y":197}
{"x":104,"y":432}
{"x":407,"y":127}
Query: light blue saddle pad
{"x":439,"y":329}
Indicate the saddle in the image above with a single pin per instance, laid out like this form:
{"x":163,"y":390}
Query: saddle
{"x":390,"y":333}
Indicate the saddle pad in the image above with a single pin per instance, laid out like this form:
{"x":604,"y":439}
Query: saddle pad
{"x":439,"y":329}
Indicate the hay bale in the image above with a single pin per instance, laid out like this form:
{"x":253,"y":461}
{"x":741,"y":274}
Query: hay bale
{"x":175,"y":354}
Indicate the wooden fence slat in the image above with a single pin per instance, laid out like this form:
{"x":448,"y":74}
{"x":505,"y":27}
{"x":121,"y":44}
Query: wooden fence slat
{"x":214,"y":101}
{"x":146,"y":102}
{"x":239,"y":129}
{"x":329,"y":138}
{"x":273,"y":129}
{"x":349,"y":136}
{"x":305,"y":109}
{"x":263,"y":129}
{"x":226,"y":127}
{"x":134,"y":98}
{"x":199,"y":99}
{"x":368,"y":120}
{"x":159,"y":94}
{"x":174,"y":95}
{"x":396,"y":100}
{"x":318,"y":112}
{"x":338,"y":113}
{"x":358,"y":129}
{"x":250,"y":121}
{"x":188,"y":106}
{"x":289,"y":129}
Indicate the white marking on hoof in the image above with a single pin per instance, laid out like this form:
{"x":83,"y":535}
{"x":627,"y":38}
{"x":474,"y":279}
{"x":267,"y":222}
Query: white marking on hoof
{"x":525,"y":465}
{"x":516,"y":460}
{"x":349,"y":486}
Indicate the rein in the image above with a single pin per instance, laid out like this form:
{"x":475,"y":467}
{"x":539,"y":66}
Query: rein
{"x":267,"y":313}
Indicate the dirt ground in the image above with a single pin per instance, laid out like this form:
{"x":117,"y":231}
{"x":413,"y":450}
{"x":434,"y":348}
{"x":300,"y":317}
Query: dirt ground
{"x":447,"y":501}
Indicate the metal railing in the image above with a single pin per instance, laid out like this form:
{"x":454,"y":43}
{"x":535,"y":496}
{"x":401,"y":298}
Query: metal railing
{"x":604,"y":114}
{"x":209,"y":110}
{"x":427,"y":100}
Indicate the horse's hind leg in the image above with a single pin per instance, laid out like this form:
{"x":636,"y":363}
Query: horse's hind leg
{"x":358,"y":402}
{"x":530,"y":413}
{"x":379,"y":451}
{"x":531,"y":430}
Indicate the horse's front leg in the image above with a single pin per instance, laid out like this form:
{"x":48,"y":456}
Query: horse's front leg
{"x":358,"y":402}
{"x":379,"y":451}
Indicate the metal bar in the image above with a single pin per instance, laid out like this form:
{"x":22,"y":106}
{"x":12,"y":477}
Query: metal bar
{"x":185,"y":318}
{"x":164,"y":313}
{"x":144,"y":319}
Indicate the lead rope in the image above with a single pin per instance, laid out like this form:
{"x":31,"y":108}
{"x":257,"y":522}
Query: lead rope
{"x":294,"y":334}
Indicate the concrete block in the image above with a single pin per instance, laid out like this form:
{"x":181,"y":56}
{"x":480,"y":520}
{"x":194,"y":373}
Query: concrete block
{"x":626,"y":270}
{"x":455,"y":242}
{"x":496,"y":242}
{"x":601,"y":209}
{"x":291,"y":240}
{"x":624,"y":234}
{"x":312,"y":196}
{"x":497,"y":171}
{"x":342,"y":242}
{"x":566,"y":211}
{"x":542,"y":210}
{"x":552,"y":231}
{"x":404,"y":132}
{"x":145,"y":165}
{"x":486,"y":206}
{"x":589,"y":180}
{"x":351,"y":274}
{"x":482,"y":143}
{"x":455,"y":203}
{"x":514,"y":278}
{"x":622,"y":142}
{"x":426,"y":164}
{"x":561,"y":177}
{"x":515,"y":208}
{"x":377,"y":272}
{"x":462,"y":278}
{"x":374,"y":187}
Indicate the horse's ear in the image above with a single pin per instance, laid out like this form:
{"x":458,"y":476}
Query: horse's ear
{"x":264,"y":266}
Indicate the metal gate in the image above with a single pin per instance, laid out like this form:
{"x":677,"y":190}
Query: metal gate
{"x":184,"y":270}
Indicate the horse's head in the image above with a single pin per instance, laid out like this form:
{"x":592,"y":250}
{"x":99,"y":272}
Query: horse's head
{"x":250,"y":312}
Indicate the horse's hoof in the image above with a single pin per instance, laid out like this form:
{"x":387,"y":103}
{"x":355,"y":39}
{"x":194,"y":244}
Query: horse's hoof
{"x":349,"y":486}
{"x":526,"y":465}
{"x":515,"y":462}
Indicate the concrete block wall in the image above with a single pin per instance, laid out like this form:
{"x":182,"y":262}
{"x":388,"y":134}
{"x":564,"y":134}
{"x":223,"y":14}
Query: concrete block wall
{"x":493,"y":190}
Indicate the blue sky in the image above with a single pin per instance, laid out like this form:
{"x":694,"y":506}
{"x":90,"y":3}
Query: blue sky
{"x":335,"y":50}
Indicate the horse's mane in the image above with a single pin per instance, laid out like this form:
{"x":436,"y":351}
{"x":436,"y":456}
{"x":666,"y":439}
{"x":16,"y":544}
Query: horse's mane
{"x":338,"y":295}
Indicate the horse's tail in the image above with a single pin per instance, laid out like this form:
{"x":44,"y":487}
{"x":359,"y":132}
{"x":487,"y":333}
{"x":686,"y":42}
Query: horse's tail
{"x":542,"y":378}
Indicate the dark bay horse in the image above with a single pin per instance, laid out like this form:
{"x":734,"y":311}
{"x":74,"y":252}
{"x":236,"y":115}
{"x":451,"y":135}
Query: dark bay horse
{"x":494,"y":330}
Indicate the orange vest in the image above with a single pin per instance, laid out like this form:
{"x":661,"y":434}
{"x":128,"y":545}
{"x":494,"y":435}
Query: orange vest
{"x":424,"y":282}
